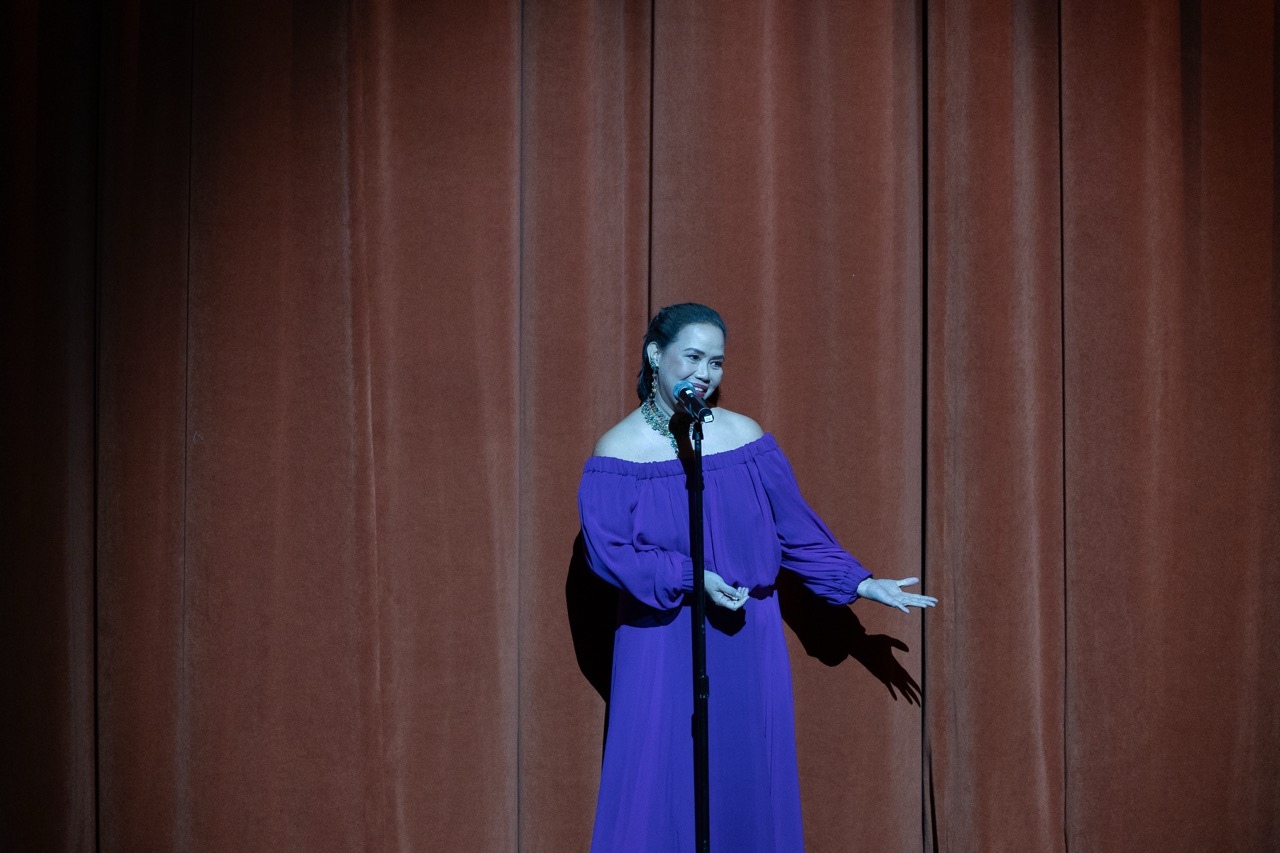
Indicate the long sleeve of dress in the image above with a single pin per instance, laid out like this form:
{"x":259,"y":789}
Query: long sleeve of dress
{"x":808,"y":547}
{"x":617,"y":549}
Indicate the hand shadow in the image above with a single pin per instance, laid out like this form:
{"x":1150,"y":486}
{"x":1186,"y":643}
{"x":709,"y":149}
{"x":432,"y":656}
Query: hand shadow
{"x":832,"y":633}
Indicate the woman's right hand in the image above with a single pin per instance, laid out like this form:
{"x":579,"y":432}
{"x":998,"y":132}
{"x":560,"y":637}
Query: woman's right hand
{"x":719,"y":592}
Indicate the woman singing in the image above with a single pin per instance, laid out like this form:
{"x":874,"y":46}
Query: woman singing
{"x":634,"y":510}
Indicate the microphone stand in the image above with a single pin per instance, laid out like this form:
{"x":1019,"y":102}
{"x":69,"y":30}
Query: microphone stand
{"x":701,"y":684}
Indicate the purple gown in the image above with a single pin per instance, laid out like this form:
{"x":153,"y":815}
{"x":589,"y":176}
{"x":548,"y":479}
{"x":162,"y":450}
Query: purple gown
{"x":635,"y":523}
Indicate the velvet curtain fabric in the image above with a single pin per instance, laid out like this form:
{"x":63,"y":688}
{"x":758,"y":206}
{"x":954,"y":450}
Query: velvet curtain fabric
{"x":312,"y":311}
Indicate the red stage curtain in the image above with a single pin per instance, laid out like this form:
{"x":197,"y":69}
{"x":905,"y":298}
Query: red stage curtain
{"x":312,"y":311}
{"x":994,"y":775}
{"x":1171,"y":333}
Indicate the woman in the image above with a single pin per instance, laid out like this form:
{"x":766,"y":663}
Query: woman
{"x":634,"y":511}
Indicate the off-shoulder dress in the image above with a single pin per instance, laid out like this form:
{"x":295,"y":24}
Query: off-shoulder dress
{"x":635,"y":524}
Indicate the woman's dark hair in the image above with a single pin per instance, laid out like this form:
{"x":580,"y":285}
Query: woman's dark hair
{"x":663,"y":329}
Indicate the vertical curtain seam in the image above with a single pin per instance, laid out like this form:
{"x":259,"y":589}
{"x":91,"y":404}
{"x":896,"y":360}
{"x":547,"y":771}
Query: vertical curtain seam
{"x":928,"y":834}
{"x":95,"y":484}
{"x":1062,"y":384}
{"x":653,"y":86}
{"x":359,"y":358}
{"x":183,"y":728}
{"x":520,"y":386}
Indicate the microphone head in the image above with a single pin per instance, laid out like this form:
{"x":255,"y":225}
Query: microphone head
{"x":688,"y":397}
{"x":685,"y":388}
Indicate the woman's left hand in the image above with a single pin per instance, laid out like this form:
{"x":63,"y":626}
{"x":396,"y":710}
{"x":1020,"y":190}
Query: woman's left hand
{"x":890,"y":592}
{"x":721,"y":593}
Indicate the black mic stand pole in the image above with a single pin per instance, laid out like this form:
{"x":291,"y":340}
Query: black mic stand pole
{"x":701,"y":684}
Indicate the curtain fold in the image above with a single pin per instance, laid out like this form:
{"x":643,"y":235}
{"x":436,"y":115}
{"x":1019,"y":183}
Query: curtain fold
{"x":278,"y":641}
{"x":48,"y":100}
{"x":584,"y":291}
{"x":778,"y":130}
{"x":1172,"y":342}
{"x":312,"y":312}
{"x":144,"y":205}
{"x":435,"y":145}
{"x":994,"y":775}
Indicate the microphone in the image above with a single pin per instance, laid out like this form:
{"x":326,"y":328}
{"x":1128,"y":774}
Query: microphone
{"x":688,"y":401}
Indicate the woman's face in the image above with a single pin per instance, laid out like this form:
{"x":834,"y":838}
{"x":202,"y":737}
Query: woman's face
{"x":696,"y":354}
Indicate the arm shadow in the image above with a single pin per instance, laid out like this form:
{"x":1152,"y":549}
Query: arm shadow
{"x":592,"y":606}
{"x":832,"y":633}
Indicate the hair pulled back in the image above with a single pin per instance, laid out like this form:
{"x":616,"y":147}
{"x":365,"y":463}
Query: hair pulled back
{"x":665,"y":326}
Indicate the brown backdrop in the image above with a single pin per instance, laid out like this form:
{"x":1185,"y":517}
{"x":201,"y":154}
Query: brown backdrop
{"x":312,"y":311}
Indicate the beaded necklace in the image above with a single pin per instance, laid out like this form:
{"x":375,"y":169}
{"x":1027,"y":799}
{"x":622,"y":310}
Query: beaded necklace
{"x":655,"y":418}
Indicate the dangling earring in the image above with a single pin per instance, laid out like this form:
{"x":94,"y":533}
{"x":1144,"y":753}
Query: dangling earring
{"x":655,"y":417}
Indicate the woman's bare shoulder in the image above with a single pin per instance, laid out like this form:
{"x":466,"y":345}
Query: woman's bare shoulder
{"x":631,"y":439}
{"x":635,"y":441}
{"x":734,"y":430}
